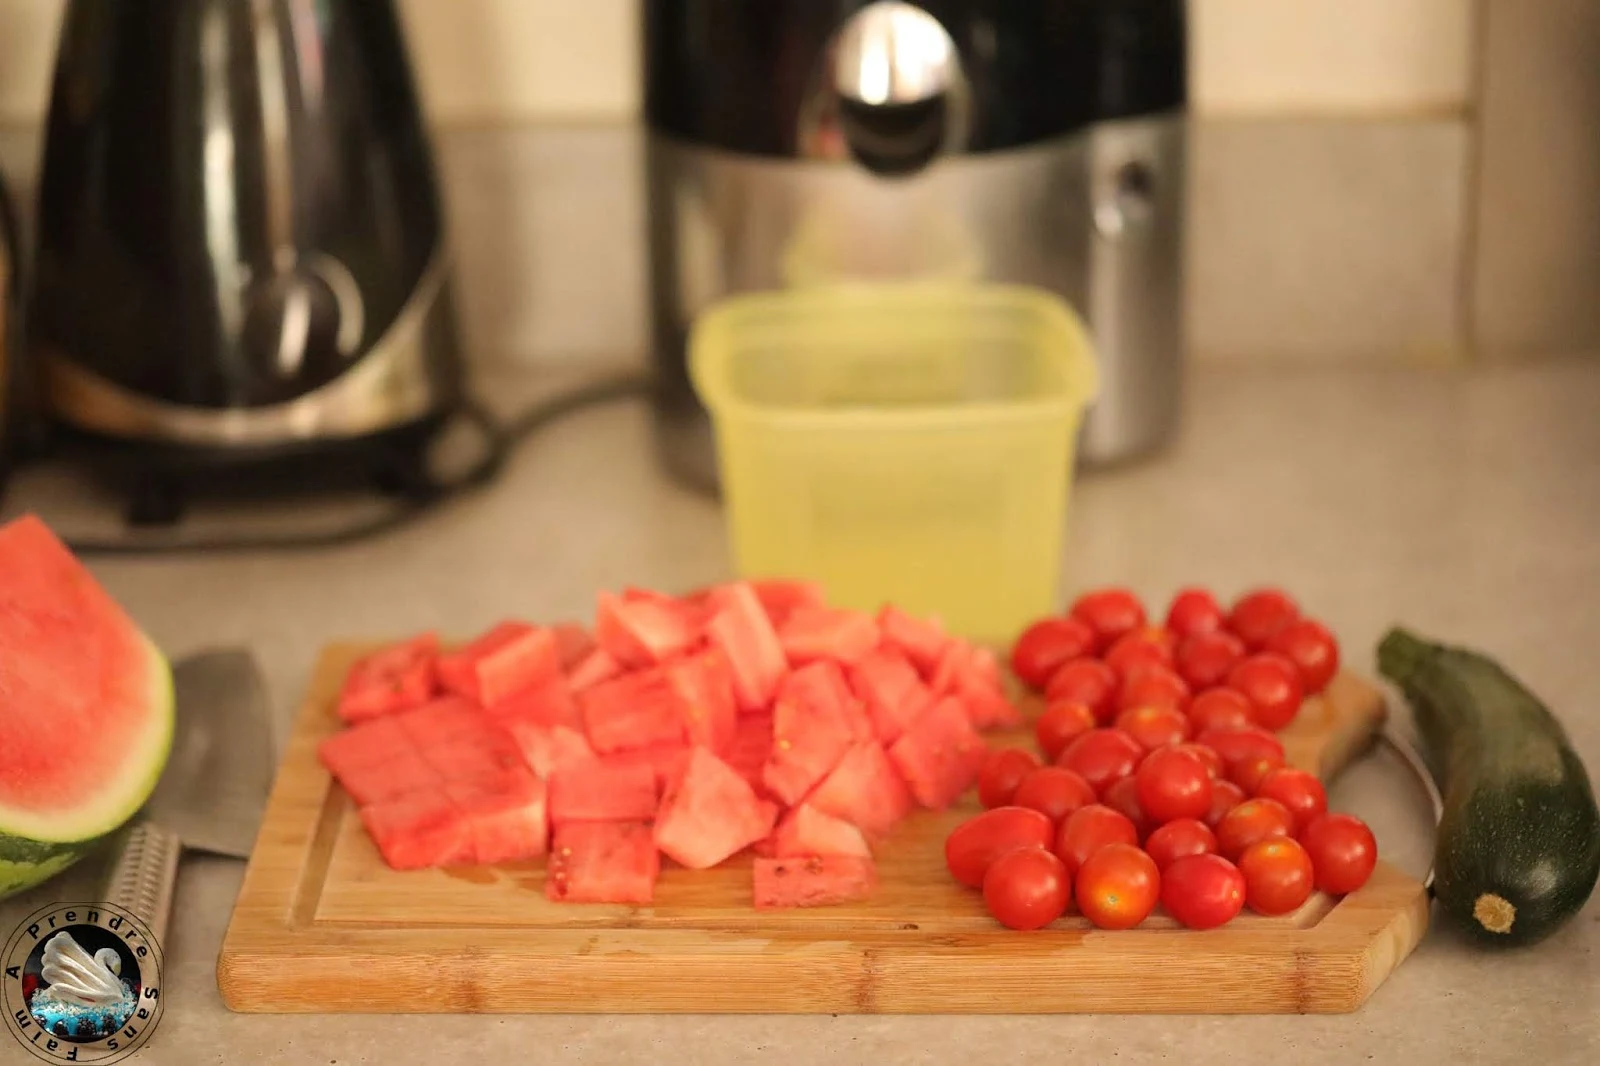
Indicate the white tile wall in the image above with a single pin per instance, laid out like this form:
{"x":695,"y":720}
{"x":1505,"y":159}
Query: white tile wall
{"x":575,"y":59}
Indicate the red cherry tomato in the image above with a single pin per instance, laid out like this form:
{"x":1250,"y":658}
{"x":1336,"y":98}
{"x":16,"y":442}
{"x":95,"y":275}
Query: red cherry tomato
{"x":1203,"y":660}
{"x":1002,"y":772}
{"x":1086,"y":681}
{"x":1180,"y":837}
{"x":1220,"y":708}
{"x":977,"y":842}
{"x":1153,"y":686}
{"x":1117,"y":887}
{"x":1343,"y":852}
{"x":1194,"y":610}
{"x":1173,"y":783}
{"x":1110,"y":613}
{"x":1225,"y":796}
{"x":1297,"y":790}
{"x":1208,"y":758}
{"x":1239,"y":745}
{"x":1053,"y":792}
{"x":1277,"y":875}
{"x":1027,"y":889}
{"x":1123,"y":797}
{"x":1048,"y":643}
{"x":1249,"y":773}
{"x":1154,"y":727}
{"x":1272,"y":685}
{"x":1312,"y":649}
{"x":1140,"y":648}
{"x":1259,"y":614}
{"x":1102,"y":756}
{"x":1061,"y":723}
{"x":1088,"y":829}
{"x":1252,"y":821}
{"x":1202,"y":891}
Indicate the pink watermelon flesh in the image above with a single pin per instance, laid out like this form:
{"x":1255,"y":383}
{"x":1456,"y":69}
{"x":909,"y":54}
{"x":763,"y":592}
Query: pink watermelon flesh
{"x":390,"y":679}
{"x":778,"y":597}
{"x":593,"y":668}
{"x":505,"y":813}
{"x":633,"y":711}
{"x":815,"y":881}
{"x":641,"y":632}
{"x":468,"y":758}
{"x":508,"y":659}
{"x":704,"y":685}
{"x":940,"y":755}
{"x":602,"y":862}
{"x":865,"y":790}
{"x":444,"y":719}
{"x":891,"y":690}
{"x":748,"y":751}
{"x":813,"y":633}
{"x":811,"y":731}
{"x":665,"y":762}
{"x":743,"y":632}
{"x":808,"y":831}
{"x":73,"y":668}
{"x":376,"y":741}
{"x":921,"y":640}
{"x":373,"y":782}
{"x":547,"y":748}
{"x":549,"y":702}
{"x":573,"y":644}
{"x":422,"y":828}
{"x":710,"y":814}
{"x":603,"y":790}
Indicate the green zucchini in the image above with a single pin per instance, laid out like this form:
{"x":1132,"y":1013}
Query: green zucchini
{"x":1518,"y":851}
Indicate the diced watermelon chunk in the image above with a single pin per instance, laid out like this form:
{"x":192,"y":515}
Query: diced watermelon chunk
{"x":704,"y":684}
{"x":478,"y":757}
{"x":812,"y":729}
{"x":603,"y":790}
{"x":592,"y":669}
{"x":508,"y":659}
{"x":373,"y":782}
{"x":374,"y":741}
{"x":972,"y":675}
{"x":816,"y":881}
{"x":573,"y":643}
{"x":550,"y":702}
{"x":602,"y":862}
{"x":946,"y":672}
{"x":813,"y":633}
{"x":642,"y":631}
{"x":666,"y":762}
{"x":506,"y":815}
{"x":710,"y":814}
{"x":440,"y":721}
{"x":865,"y":790}
{"x":921,"y":640}
{"x":808,"y":831}
{"x":741,"y":630}
{"x":633,"y":711}
{"x":940,"y":755}
{"x":418,"y":829}
{"x":891,"y":690}
{"x":546,"y":748}
{"x":750,"y":748}
{"x":779,"y":597}
{"x":391,"y":679}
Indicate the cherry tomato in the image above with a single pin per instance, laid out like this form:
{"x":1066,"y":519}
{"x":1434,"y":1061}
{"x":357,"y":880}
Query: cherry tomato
{"x":1123,"y":797}
{"x":1277,"y":875}
{"x":1208,"y":758}
{"x":1173,"y":784}
{"x":1249,"y":773}
{"x":1259,"y":614}
{"x":1153,"y":686}
{"x":1101,"y":756}
{"x":1154,"y":727}
{"x":1219,"y":708}
{"x":1061,"y":723}
{"x":1203,"y":660}
{"x":1086,"y":681}
{"x":1117,"y":887}
{"x":1002,"y":772}
{"x":1272,"y":685}
{"x":1110,"y":613}
{"x":1312,"y":649}
{"x":1225,"y":796}
{"x":1252,"y":821}
{"x":1180,"y":837}
{"x":1202,"y":891}
{"x":1088,"y":829}
{"x":1194,"y":610}
{"x":1343,"y":852}
{"x":1142,"y":647}
{"x":1027,"y":889}
{"x":1239,"y":745}
{"x":977,"y":842}
{"x":1297,"y":790}
{"x":1053,"y":792}
{"x":1048,"y":643}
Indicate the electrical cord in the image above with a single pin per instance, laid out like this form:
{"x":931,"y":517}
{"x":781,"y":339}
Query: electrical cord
{"x":500,"y":439}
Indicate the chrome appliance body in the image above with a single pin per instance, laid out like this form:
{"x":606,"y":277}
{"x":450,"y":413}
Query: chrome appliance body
{"x":1043,"y":144}
{"x":240,"y":242}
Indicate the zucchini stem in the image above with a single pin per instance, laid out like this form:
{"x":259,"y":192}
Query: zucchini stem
{"x":1401,"y":653}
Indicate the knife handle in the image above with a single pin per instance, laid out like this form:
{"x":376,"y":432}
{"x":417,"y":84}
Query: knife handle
{"x":143,"y":877}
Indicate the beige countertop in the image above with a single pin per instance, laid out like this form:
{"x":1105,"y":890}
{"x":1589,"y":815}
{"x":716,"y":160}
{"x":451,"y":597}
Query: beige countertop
{"x":1466,"y":504}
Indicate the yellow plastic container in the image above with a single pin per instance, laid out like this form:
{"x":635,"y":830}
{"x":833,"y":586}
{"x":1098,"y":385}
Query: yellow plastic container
{"x":906,"y":443}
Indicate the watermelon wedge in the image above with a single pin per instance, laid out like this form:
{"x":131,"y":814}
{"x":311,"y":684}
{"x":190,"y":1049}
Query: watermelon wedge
{"x":86,"y":711}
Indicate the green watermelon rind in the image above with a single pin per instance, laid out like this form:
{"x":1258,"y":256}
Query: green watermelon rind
{"x":30,"y":854}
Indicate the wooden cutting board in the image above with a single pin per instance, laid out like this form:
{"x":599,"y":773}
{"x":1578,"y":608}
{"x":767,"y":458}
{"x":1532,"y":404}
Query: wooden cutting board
{"x":322,"y":925}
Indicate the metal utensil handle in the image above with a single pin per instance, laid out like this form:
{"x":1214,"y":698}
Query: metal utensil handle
{"x":1419,"y":770}
{"x":146,"y":870}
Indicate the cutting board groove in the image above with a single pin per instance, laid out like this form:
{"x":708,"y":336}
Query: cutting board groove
{"x":322,"y":925}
